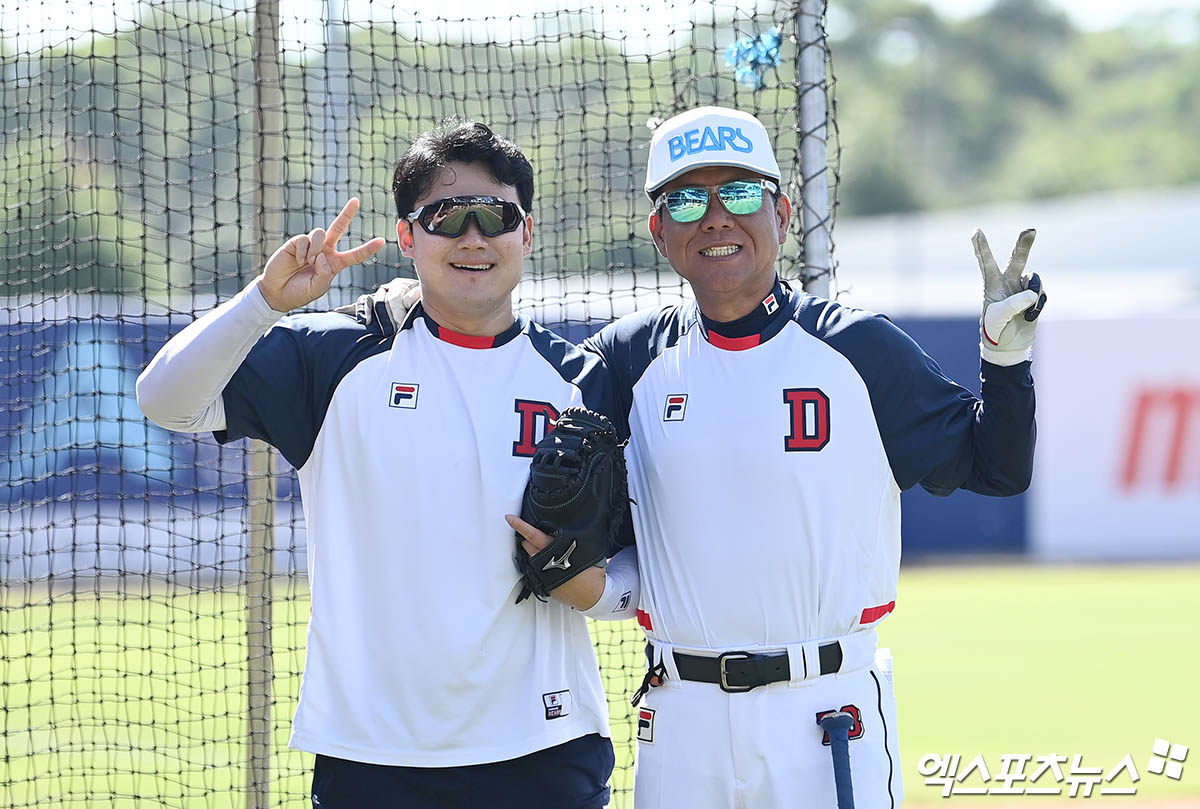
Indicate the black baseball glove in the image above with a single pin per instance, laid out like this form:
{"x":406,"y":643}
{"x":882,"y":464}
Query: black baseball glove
{"x":578,"y":494}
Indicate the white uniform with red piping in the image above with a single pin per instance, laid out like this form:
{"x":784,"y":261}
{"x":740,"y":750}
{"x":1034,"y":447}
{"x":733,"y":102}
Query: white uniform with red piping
{"x":767,"y":466}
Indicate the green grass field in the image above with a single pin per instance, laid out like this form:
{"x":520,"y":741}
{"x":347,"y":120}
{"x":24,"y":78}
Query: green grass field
{"x":139,"y":699}
{"x":1096,"y":661}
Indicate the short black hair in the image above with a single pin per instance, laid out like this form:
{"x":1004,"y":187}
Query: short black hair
{"x":459,"y":141}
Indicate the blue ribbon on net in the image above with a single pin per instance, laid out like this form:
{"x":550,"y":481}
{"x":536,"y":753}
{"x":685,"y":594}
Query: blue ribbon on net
{"x":750,"y":57}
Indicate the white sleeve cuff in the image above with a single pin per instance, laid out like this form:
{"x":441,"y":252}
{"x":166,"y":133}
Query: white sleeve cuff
{"x":622,"y":589}
{"x":1004,"y":357}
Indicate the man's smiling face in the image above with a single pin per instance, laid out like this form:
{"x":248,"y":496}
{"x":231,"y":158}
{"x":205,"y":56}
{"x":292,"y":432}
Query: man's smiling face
{"x":728,"y":259}
{"x":467,"y":281}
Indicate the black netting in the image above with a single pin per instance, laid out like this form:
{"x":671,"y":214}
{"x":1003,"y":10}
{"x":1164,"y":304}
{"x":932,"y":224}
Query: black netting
{"x":153,"y":154}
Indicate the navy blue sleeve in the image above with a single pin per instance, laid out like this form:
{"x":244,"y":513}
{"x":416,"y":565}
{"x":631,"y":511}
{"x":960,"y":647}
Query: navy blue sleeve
{"x":592,"y":375}
{"x":587,"y":371}
{"x":936,"y":432}
{"x":630,"y":344}
{"x":281,"y":391}
{"x":1006,"y":432}
{"x":627,"y":347}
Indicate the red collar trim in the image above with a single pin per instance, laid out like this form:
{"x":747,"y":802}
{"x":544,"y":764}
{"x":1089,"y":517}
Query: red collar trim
{"x":734,"y":343}
{"x":464,"y":340}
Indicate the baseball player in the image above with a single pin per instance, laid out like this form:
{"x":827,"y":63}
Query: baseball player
{"x":771,"y":434}
{"x":425,"y":685}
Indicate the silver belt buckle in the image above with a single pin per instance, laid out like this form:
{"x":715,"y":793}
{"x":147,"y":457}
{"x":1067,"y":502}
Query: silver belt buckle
{"x":725,"y":686}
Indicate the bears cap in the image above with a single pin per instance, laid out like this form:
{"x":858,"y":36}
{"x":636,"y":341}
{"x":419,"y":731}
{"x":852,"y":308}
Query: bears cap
{"x":709,"y":136}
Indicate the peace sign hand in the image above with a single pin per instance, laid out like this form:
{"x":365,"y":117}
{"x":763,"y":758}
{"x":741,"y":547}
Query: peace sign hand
{"x":1012,"y":301}
{"x":302,"y":269}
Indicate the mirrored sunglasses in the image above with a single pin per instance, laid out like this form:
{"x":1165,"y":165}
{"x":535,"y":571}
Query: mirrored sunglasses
{"x":449,"y":217}
{"x":740,"y":197}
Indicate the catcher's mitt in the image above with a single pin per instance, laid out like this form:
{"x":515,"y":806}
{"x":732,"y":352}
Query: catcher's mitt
{"x":577,"y":493}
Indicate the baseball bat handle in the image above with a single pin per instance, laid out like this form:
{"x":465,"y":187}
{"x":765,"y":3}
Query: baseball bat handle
{"x":837,"y":725}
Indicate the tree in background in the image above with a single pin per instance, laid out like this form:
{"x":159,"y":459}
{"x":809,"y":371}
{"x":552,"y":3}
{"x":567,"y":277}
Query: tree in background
{"x":1015,"y":103}
{"x":127,"y":156}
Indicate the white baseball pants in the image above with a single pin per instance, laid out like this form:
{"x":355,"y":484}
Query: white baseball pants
{"x":702,"y":748}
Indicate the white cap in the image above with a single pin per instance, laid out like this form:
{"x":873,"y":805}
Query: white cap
{"x":709,"y":136}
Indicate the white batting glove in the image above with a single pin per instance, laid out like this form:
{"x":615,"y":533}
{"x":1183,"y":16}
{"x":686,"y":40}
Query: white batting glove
{"x":1012,"y":301}
{"x":400,"y":294}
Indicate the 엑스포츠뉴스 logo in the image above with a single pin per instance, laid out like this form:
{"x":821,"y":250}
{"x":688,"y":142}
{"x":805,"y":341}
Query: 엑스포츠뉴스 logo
{"x":1058,"y":774}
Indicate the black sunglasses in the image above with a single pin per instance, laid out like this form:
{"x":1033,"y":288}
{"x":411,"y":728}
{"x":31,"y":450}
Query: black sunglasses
{"x":449,"y":217}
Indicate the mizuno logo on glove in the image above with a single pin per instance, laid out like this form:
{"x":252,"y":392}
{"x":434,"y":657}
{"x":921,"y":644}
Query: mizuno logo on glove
{"x":577,"y":495}
{"x":561,"y":562}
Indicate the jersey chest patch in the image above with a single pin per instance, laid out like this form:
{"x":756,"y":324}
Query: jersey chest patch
{"x":802,"y":423}
{"x":534,"y":418}
{"x":536,"y":421}
{"x":676,"y":407}
{"x":404,"y":394}
{"x":808,"y":411}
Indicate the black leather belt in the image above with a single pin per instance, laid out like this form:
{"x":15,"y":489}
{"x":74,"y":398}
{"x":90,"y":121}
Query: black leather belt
{"x":737,"y":672}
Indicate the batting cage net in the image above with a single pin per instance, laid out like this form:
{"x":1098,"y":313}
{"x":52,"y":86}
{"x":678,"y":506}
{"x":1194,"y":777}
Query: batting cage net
{"x":153,"y":590}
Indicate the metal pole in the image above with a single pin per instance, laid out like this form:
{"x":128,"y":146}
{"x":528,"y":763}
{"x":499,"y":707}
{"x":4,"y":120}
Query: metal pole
{"x":812,"y":123}
{"x":336,"y":111}
{"x":269,"y":208}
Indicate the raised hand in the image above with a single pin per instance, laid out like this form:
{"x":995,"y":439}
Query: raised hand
{"x":1012,"y":301}
{"x":303,"y":268}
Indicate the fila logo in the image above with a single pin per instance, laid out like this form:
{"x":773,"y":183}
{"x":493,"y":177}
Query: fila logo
{"x":404,"y":394}
{"x":675,"y":408}
{"x":646,"y":725}
{"x":557,"y":704}
{"x":563,"y":562}
{"x":770,"y":304}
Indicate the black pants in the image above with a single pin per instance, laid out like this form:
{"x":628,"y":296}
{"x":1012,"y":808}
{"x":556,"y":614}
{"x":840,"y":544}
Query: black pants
{"x":569,"y":776}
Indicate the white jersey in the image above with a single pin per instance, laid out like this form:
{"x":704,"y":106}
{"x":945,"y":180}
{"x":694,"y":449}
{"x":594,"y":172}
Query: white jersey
{"x":410,"y":449}
{"x":767,"y":468}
